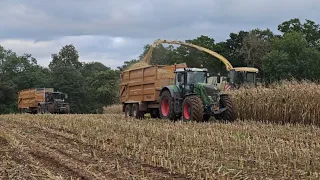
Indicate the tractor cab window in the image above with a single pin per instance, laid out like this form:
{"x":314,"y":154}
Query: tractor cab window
{"x":179,"y":78}
{"x":196,"y":77}
{"x":57,"y":95}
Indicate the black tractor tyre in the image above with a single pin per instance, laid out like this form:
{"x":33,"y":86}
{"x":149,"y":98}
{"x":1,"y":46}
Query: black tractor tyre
{"x":206,"y":117}
{"x":230,"y":114}
{"x":50,"y":109}
{"x":136,"y":113}
{"x":128,"y":110}
{"x":67,"y":109}
{"x":39,"y":110}
{"x":166,"y":106}
{"x":192,"y":109}
{"x":155,"y":114}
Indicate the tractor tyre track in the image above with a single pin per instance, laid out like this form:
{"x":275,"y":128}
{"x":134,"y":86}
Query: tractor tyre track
{"x":56,"y":162}
{"x":67,"y":144}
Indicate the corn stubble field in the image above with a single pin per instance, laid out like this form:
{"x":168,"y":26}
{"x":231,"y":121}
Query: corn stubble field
{"x":276,"y":137}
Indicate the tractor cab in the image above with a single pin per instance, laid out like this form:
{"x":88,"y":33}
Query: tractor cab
{"x":187,"y":78}
{"x":55,"y":96}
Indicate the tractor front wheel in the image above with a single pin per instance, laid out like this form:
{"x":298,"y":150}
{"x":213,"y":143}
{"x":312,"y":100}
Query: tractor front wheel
{"x":67,"y":109}
{"x":192,"y":109}
{"x":230,"y":114}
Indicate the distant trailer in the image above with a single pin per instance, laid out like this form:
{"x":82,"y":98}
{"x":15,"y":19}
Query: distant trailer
{"x":42,"y":100}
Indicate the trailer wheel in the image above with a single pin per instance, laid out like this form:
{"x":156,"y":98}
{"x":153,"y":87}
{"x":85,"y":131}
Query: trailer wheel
{"x":192,"y":109}
{"x":166,"y":107}
{"x":39,"y":110}
{"x":128,"y":110}
{"x":136,"y":113}
{"x":155,"y":113}
{"x":230,"y":114}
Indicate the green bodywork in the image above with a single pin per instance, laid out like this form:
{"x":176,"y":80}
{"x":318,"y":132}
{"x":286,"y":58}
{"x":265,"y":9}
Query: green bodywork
{"x":174,"y":88}
{"x":200,"y":91}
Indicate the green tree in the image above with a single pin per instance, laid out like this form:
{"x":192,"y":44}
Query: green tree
{"x":101,"y":86}
{"x":234,"y":44}
{"x":67,"y":77}
{"x":161,"y":55}
{"x":309,"y":29}
{"x":291,"y":57}
{"x":90,"y":68}
{"x":67,"y":56}
{"x":255,"y":45}
{"x":17,"y":73}
{"x":8,"y":96}
{"x":103,"y":89}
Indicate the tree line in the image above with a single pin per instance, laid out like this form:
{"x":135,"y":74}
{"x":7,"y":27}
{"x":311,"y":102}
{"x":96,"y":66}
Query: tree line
{"x":294,"y":53}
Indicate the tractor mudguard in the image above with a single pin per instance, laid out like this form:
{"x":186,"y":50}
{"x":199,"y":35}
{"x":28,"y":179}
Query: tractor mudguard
{"x":174,"y":90}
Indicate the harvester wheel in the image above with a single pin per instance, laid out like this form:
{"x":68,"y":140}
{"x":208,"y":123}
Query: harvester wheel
{"x":166,"y":108}
{"x":192,"y":108}
{"x":136,"y":113}
{"x":128,"y":110}
{"x":230,"y":114}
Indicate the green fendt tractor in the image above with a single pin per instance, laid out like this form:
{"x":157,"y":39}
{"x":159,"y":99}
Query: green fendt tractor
{"x":193,"y":98}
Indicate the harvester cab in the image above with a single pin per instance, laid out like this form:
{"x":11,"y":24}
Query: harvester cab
{"x":243,"y":76}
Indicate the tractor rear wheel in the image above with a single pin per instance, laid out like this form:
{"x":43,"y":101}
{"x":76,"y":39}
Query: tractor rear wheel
{"x":230,"y":114}
{"x":166,"y":107}
{"x":192,"y":108}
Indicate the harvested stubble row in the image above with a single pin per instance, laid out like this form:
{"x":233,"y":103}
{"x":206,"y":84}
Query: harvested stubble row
{"x":290,"y":102}
{"x":198,"y":150}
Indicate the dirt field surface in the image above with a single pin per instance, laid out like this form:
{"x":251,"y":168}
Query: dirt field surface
{"x":112,"y":147}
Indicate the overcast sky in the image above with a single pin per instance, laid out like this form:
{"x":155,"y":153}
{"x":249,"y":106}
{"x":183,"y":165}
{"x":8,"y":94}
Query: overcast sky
{"x":113,"y":31}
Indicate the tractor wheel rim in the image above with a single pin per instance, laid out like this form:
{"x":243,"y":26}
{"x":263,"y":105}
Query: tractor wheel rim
{"x":165,"y":107}
{"x":186,"y":111}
